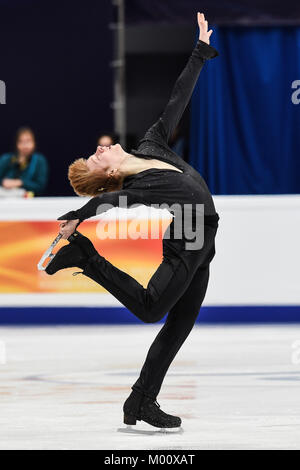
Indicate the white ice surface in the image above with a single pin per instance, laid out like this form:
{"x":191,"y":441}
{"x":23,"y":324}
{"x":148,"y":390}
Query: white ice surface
{"x":235,"y":387}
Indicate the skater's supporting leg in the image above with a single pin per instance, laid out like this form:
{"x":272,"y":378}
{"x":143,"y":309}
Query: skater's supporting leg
{"x":178,"y":325}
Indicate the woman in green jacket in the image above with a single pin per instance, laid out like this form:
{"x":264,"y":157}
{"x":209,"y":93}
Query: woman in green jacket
{"x":24,"y":168}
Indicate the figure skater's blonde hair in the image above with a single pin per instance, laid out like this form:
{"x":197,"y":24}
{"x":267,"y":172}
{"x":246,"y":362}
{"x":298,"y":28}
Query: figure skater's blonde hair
{"x":91,"y":183}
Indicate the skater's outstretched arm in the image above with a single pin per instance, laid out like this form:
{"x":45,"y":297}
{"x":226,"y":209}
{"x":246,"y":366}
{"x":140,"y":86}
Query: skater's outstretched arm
{"x":182,"y":91}
{"x":98,"y":205}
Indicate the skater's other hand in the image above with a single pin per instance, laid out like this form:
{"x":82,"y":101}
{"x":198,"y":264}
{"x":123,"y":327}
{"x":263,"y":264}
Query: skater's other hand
{"x":67,"y":227}
{"x":204,"y":34}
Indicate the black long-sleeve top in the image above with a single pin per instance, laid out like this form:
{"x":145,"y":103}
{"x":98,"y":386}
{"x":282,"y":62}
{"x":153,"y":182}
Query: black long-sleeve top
{"x":158,"y":186}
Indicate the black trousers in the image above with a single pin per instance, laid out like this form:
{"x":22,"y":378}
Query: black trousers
{"x":177,"y":287}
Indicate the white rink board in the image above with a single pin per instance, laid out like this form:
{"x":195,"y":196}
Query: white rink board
{"x":257,"y":250}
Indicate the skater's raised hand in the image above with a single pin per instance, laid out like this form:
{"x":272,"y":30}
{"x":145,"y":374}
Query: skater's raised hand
{"x":67,"y":227}
{"x":204,"y":34}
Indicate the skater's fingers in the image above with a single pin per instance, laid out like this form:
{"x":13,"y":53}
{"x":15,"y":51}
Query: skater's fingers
{"x":65,"y":233}
{"x":68,"y":228}
{"x":200,"y":18}
{"x":63,"y":223}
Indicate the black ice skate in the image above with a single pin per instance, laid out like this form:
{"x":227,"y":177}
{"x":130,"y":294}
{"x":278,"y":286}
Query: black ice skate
{"x":69,"y":256}
{"x":138,"y":407}
{"x":84,"y":244}
{"x":74,"y":255}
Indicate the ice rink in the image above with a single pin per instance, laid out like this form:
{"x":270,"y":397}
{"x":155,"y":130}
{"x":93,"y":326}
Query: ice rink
{"x":235,"y":387}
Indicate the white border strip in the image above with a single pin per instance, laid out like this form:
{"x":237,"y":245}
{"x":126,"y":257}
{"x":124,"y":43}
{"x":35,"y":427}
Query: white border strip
{"x":49,"y":209}
{"x":59,"y":300}
{"x":95,"y":300}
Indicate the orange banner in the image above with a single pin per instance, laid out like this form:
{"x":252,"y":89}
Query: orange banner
{"x":23,"y":243}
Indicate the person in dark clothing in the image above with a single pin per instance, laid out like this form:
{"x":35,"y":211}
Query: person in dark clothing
{"x":149,"y":175}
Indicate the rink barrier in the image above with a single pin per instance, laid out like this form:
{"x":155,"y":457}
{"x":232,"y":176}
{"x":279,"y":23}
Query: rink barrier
{"x":254,"y":276}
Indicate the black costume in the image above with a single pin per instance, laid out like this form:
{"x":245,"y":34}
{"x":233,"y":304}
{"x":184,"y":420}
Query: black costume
{"x":179,"y":285}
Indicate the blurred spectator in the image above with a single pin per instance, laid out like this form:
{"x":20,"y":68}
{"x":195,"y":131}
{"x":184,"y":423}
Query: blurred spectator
{"x":106,"y":139}
{"x":23,"y":170}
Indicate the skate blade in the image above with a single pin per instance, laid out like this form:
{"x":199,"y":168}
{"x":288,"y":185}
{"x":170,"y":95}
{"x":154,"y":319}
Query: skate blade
{"x":151,"y":432}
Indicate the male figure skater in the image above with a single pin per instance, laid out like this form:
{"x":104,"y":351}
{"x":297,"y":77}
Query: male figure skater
{"x":152,"y":174}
